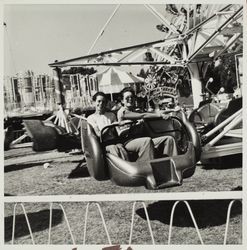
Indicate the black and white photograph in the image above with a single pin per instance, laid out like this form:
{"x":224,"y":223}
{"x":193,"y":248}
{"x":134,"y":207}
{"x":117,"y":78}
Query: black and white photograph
{"x":123,"y":123}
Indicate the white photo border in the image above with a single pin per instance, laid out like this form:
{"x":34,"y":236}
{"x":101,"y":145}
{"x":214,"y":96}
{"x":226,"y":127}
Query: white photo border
{"x":128,"y":197}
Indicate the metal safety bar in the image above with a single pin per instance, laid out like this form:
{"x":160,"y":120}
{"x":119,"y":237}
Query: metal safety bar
{"x":226,"y":129}
{"x":224,"y":123}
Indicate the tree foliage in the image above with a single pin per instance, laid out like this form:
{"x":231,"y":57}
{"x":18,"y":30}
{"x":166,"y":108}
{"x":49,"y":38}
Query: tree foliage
{"x":80,"y":70}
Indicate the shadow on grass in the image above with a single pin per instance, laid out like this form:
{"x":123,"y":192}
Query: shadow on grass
{"x":225,"y":162}
{"x":39,"y":221}
{"x":79,"y":171}
{"x":207,"y":213}
{"x":16,"y":167}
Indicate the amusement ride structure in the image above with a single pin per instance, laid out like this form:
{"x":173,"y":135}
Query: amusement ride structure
{"x":194,"y":36}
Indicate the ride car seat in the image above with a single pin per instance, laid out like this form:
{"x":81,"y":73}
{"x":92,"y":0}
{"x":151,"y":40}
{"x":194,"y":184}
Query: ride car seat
{"x":204,"y":116}
{"x":47,"y":136}
{"x":233,"y":106}
{"x":44,"y":138}
{"x":93,"y":152}
{"x":155,"y":174}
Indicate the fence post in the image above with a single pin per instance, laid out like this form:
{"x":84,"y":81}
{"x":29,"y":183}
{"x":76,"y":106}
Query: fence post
{"x":28,"y":224}
{"x":103,"y":221}
{"x":228,"y":219}
{"x":192,"y":217}
{"x":148,"y":221}
{"x":66,"y":219}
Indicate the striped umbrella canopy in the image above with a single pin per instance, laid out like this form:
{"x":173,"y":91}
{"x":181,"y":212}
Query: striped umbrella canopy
{"x":113,"y":80}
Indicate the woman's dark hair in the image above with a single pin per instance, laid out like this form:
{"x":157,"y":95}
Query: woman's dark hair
{"x":126,"y":89}
{"x":99,"y":94}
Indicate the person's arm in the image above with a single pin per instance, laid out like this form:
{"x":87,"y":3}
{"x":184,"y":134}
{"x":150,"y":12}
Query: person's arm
{"x":136,"y":116}
{"x":123,"y":124}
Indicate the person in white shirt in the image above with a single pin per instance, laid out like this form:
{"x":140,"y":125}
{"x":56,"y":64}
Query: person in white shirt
{"x":102,"y":118}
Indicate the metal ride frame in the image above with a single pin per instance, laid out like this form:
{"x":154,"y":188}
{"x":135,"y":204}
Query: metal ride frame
{"x":211,"y":151}
{"x":196,"y":44}
{"x":192,"y":33}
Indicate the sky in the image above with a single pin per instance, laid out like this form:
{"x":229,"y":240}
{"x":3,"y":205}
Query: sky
{"x":36,"y":35}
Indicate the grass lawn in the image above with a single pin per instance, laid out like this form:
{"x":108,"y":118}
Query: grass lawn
{"x":25,"y":175}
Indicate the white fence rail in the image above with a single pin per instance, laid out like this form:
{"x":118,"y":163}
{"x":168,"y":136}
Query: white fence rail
{"x":90,"y":203}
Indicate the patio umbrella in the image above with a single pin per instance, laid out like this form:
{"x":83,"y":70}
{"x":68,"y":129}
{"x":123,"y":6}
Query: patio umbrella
{"x":114,"y":80}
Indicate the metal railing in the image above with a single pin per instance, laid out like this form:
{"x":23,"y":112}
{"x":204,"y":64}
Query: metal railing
{"x":229,"y":209}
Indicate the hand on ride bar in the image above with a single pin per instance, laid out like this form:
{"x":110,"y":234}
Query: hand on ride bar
{"x":165,"y":116}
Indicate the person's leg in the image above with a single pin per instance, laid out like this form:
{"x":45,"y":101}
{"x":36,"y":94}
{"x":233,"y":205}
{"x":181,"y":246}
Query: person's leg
{"x":122,"y":152}
{"x":117,"y":150}
{"x":144,"y":147}
{"x":166,"y":145}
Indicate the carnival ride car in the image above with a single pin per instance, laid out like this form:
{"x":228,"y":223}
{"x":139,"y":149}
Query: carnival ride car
{"x":218,"y":120}
{"x":161,"y":172}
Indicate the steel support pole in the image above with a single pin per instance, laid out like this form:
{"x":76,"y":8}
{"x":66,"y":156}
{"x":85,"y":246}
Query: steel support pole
{"x":205,"y":21}
{"x":227,"y":128}
{"x":103,"y":29}
{"x":195,"y":84}
{"x":179,"y":63}
{"x":231,"y":41}
{"x":224,"y":123}
{"x":58,"y":86}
